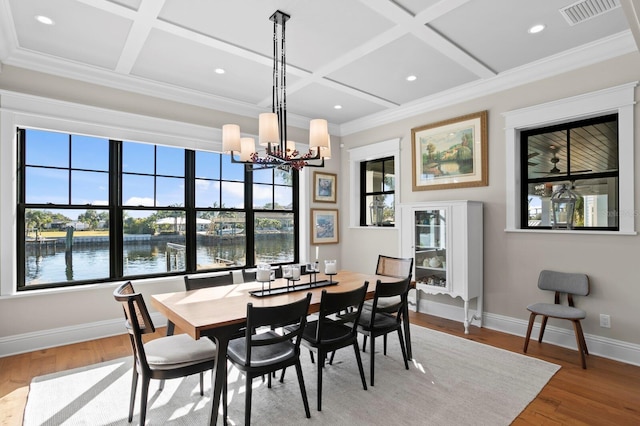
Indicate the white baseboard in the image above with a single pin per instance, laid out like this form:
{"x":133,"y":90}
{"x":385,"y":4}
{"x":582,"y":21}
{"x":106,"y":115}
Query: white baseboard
{"x":28,"y":342}
{"x":601,"y":346}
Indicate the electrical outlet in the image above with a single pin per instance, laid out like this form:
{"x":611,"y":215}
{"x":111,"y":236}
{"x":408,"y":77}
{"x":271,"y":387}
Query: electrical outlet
{"x":605,"y":321}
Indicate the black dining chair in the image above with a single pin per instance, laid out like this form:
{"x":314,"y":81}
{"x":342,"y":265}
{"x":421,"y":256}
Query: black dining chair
{"x":385,"y":318}
{"x":335,"y":328}
{"x":397,"y":267}
{"x":195,"y":282}
{"x":263,"y":350}
{"x":162,"y":358}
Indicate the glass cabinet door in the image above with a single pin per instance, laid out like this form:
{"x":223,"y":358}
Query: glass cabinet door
{"x":431,"y":247}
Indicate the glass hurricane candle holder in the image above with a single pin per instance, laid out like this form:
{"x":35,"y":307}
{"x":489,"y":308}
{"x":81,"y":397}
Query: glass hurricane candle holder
{"x":330,"y":267}
{"x":263,"y":273}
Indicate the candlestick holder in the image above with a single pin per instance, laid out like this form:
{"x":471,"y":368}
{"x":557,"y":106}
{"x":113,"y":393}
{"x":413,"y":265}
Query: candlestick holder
{"x":269,"y":287}
{"x":312,"y":269}
{"x":265,"y":274}
{"x":292,"y":274}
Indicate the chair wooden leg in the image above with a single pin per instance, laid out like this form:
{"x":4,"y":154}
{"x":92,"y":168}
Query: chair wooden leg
{"x":359,"y":361}
{"x":201,"y":383}
{"x":303,"y":390}
{"x":532,"y":319}
{"x":543,"y":325}
{"x":144,"y":395}
{"x":372,"y":358}
{"x":404,"y":349}
{"x":364,"y":343}
{"x":384,"y":345}
{"x":579,"y":339}
{"x":407,"y":331}
{"x":282,"y":375}
{"x":247,"y":400}
{"x":584,"y":342}
{"x":320,"y":367}
{"x":134,"y":388}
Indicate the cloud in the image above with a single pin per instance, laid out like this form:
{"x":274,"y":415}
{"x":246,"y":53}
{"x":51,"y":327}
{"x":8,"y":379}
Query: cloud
{"x":139,"y":201}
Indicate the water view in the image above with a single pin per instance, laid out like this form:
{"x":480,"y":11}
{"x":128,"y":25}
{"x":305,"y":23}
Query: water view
{"x":51,"y":263}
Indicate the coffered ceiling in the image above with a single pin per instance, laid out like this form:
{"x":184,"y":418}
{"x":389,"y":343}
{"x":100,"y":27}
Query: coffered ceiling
{"x":356,"y":54}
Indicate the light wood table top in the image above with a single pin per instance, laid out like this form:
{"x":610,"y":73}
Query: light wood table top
{"x":200,"y":312}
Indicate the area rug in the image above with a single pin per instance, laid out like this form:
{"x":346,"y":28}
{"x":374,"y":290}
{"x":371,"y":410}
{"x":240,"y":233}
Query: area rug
{"x":451,"y":381}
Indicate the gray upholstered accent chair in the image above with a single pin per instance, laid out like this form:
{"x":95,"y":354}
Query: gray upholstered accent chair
{"x":562,"y":283}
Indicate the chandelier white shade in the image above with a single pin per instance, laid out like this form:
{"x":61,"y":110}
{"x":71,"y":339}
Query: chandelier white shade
{"x":247,"y":147}
{"x":268,"y":128}
{"x":279,"y":152}
{"x":231,"y":138}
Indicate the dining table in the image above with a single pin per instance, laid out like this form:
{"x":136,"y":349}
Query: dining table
{"x":219,"y":312}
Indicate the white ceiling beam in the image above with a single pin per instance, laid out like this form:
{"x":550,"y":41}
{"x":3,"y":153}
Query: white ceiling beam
{"x":416,"y":25}
{"x":137,"y":37}
{"x":632,"y":12}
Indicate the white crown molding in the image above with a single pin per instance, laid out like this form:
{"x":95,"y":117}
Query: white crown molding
{"x":35,"y":111}
{"x":26,"y":59}
{"x":599,"y":51}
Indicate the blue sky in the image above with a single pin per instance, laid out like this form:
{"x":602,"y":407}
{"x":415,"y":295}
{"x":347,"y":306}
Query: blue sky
{"x":90,"y":186}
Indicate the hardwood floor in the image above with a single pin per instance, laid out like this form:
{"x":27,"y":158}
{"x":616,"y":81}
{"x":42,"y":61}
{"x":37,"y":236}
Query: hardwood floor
{"x":606,"y":393}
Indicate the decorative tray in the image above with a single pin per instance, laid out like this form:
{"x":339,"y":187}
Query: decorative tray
{"x":292,"y":288}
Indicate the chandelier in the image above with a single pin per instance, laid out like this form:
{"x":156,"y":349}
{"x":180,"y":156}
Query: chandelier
{"x":279,"y":152}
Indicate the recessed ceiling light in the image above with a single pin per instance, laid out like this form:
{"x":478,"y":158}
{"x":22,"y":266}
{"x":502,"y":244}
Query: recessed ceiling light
{"x":412,"y":78}
{"x":337,"y":107}
{"x":536,"y":28}
{"x":219,"y":71}
{"x":44,"y":20}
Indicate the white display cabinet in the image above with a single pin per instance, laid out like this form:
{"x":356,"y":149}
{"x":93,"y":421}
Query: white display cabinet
{"x":445,"y":240}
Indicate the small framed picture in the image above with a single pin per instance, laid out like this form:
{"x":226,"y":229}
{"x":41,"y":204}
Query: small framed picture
{"x":325,"y":186}
{"x":324,"y":226}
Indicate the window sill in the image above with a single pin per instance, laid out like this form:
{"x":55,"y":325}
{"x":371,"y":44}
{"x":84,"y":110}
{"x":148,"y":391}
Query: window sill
{"x":566,"y":231}
{"x":374,"y":227}
{"x":141,"y":283}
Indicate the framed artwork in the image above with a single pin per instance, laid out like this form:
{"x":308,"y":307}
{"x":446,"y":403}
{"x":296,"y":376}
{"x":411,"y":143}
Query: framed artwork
{"x":324,"y":226}
{"x":325,"y":186}
{"x":451,"y":153}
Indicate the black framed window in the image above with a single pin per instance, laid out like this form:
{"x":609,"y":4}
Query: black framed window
{"x":582,"y":156}
{"x":95,"y":210}
{"x":377,"y":188}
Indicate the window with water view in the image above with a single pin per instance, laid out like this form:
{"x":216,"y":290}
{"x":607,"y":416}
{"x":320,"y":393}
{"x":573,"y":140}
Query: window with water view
{"x":93,"y":209}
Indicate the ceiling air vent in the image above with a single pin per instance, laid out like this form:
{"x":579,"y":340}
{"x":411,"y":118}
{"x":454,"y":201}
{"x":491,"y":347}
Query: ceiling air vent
{"x":584,"y":10}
